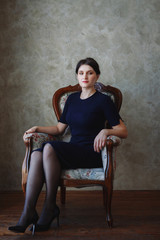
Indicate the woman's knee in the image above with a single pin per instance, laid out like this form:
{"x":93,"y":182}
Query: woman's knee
{"x":36,"y":156}
{"x":48,"y":149}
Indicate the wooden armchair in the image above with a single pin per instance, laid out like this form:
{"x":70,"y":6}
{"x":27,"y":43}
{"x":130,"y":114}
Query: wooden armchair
{"x":79,"y":177}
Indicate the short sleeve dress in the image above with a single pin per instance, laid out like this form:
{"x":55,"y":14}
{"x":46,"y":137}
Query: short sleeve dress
{"x":85,"y":118}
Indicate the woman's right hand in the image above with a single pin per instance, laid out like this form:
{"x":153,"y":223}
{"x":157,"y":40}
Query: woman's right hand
{"x":31,"y":130}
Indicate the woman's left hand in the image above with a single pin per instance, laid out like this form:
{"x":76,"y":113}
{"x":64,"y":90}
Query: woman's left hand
{"x":100,"y":140}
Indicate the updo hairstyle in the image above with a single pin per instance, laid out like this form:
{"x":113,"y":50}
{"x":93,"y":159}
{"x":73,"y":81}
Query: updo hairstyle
{"x":91,"y":62}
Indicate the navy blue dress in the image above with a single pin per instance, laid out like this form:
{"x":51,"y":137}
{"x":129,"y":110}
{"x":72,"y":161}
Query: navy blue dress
{"x":85,"y":118}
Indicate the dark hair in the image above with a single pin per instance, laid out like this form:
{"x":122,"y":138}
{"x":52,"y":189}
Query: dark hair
{"x":88,"y":61}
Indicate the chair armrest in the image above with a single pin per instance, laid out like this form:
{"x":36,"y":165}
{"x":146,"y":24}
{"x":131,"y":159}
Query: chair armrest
{"x":37,"y":139}
{"x":108,"y":152}
{"x":116,"y":140}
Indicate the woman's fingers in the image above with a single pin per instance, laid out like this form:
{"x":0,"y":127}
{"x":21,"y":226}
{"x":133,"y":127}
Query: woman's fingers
{"x":99,"y":144}
{"x":31,"y":130}
{"x":25,"y":137}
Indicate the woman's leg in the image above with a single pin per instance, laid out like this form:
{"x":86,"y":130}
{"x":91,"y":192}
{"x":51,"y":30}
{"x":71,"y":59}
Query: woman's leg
{"x":34,"y":185}
{"x":52,"y":171}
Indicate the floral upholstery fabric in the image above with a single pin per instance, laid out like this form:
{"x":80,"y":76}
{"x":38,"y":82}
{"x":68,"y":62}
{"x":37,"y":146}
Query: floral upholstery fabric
{"x":63,"y":100}
{"x":92,"y":173}
{"x":39,"y":138}
{"x":87,"y":173}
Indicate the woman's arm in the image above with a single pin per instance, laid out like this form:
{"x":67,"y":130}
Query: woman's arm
{"x":53,"y":130}
{"x":119,"y":130}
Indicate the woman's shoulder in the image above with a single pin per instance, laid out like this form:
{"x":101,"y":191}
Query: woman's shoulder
{"x":103,"y":96}
{"x":74,"y":95}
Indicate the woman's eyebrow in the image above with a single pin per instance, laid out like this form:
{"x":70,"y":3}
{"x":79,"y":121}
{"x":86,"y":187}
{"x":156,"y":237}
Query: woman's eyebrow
{"x":86,"y":71}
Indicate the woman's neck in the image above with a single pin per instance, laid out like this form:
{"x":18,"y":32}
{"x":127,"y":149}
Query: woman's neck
{"x":86,"y":93}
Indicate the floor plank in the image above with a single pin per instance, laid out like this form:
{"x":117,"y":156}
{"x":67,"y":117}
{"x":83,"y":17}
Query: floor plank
{"x":136,"y":216}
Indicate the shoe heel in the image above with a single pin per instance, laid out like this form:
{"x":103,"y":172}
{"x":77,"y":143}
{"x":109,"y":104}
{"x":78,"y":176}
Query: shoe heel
{"x":33,"y":229}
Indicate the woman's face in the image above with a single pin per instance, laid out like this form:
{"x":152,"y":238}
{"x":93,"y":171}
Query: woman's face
{"x":86,"y":76}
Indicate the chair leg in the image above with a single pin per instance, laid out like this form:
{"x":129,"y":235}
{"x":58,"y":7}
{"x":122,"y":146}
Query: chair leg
{"x":104,"y":196}
{"x":109,"y":183}
{"x":108,"y":206}
{"x":63,"y":194}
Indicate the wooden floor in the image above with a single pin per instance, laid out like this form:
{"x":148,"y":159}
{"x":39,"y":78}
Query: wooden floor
{"x":136,"y":216}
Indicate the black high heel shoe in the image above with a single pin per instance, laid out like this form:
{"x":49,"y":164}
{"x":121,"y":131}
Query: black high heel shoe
{"x":45,"y":227}
{"x":22,"y":228}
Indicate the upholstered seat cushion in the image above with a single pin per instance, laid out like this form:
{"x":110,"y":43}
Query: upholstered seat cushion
{"x":87,"y":173}
{"x":38,"y":139}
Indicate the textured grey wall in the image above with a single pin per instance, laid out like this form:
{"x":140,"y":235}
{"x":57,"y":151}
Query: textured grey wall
{"x":40,"y":44}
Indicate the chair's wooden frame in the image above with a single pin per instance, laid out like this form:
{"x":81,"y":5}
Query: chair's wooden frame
{"x":107,"y":183}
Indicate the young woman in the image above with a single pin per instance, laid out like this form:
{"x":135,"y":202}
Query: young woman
{"x":85,"y":113}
